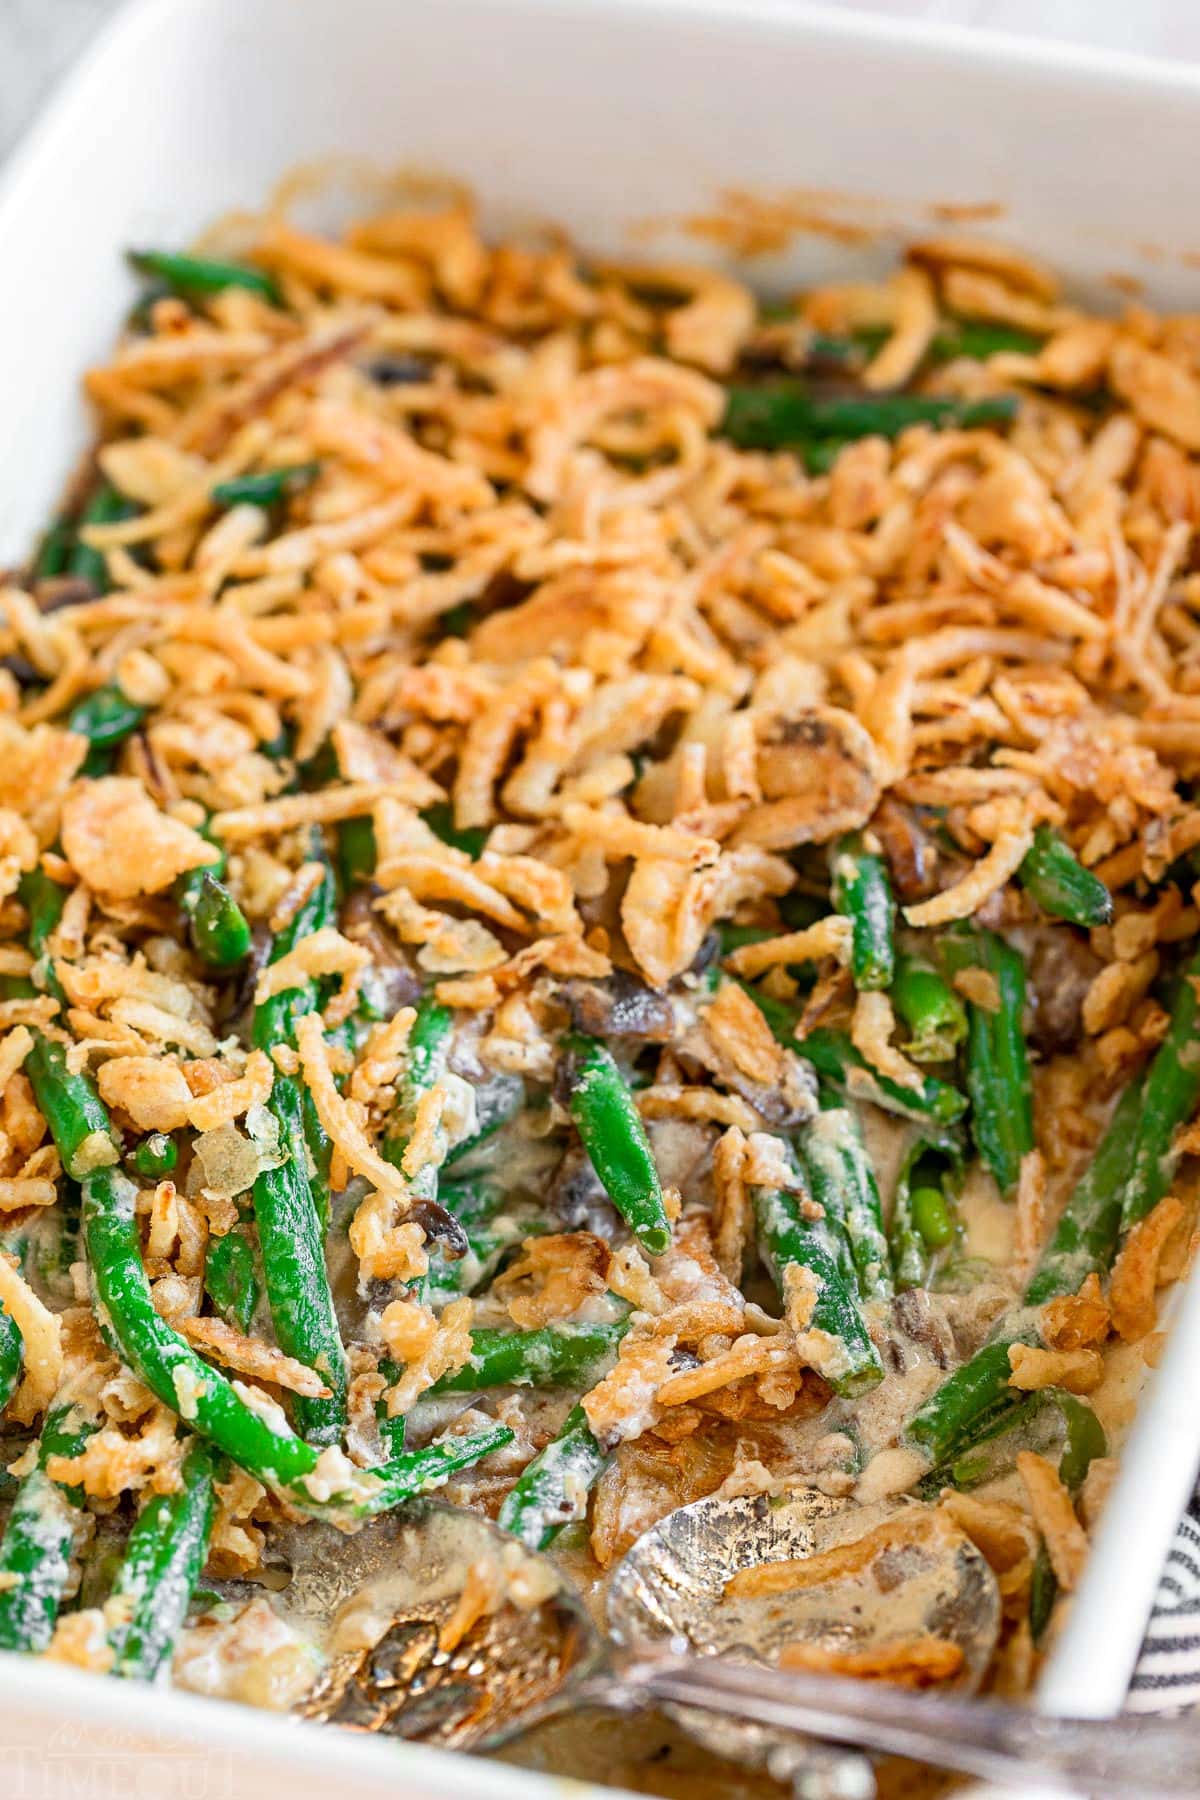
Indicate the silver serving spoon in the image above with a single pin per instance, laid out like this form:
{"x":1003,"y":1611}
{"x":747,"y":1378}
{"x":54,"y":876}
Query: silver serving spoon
{"x":679,"y":1645}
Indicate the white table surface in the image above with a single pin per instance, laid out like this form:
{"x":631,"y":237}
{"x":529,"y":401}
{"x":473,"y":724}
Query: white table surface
{"x":39,"y":38}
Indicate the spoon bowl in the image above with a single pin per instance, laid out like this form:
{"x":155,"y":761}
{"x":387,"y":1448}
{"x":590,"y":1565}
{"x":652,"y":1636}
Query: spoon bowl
{"x":405,"y":1658}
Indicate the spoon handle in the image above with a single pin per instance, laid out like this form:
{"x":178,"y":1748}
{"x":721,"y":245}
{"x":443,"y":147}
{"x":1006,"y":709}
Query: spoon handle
{"x":1118,"y":1757}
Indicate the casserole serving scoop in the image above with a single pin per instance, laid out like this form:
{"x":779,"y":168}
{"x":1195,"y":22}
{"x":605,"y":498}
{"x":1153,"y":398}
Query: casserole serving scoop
{"x":446,"y":1630}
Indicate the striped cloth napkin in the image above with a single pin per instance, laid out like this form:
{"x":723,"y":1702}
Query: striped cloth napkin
{"x":1168,"y":1670}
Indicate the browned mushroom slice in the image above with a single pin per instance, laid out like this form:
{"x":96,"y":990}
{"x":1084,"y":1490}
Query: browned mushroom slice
{"x":818,"y":771}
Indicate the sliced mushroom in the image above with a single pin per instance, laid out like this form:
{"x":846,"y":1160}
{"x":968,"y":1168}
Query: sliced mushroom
{"x":911,"y":854}
{"x":819,"y":774}
{"x":621,"y":1006}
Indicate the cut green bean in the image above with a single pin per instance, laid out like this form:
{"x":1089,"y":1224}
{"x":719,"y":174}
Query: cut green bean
{"x":12,"y":1349}
{"x":929,"y":1006}
{"x":426,"y":1054}
{"x":1085,"y":1238}
{"x":163,"y":1558}
{"x":1084,"y":1241}
{"x":155,"y":1156}
{"x":161,"y":1359}
{"x":552,"y":1490}
{"x":40,"y":1537}
{"x":106,"y":507}
{"x":613,"y":1136}
{"x":219,"y":929}
{"x":786,"y":1240}
{"x":165,"y":1363}
{"x":1052,"y":875}
{"x":862,"y":893}
{"x":845,"y":1069}
{"x":1051,"y":1422}
{"x":106,"y":718}
{"x":356,"y":851}
{"x":469,"y":838}
{"x":1169,"y":1097}
{"x":420,"y":1471}
{"x":43,"y":900}
{"x":998,"y":1075}
{"x":979,"y":339}
{"x":565,"y":1355}
{"x":842,"y":1181}
{"x":189,"y":275}
{"x":231,"y":1278}
{"x":290,"y":1205}
{"x":784,"y":416}
{"x":267,"y":489}
{"x":53,"y":551}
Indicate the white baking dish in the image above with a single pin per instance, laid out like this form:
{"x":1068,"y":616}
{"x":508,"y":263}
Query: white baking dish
{"x":598,"y":113}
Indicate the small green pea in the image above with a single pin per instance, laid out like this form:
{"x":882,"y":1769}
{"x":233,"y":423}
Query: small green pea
{"x":156,"y":1155}
{"x":932,"y":1217}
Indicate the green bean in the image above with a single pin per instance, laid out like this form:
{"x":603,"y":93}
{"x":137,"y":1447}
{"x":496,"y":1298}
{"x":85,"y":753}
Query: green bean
{"x":231,"y":1278}
{"x":290,"y":1205}
{"x":155,"y":1156}
{"x":979,"y":339}
{"x":563,"y":1355}
{"x":1084,"y":1241}
{"x":930,"y":1008}
{"x":966,"y":1404}
{"x":219,"y":929}
{"x":356,"y":851}
{"x":862,"y":893}
{"x":426,"y":1054}
{"x":40,"y":1537}
{"x":419,"y":1471}
{"x":783,"y":416}
{"x":106,"y":507}
{"x":43,"y":900}
{"x":614,"y":1138}
{"x":267,"y":489}
{"x":1052,"y":875}
{"x":787,"y":1239}
{"x":845,"y":1069}
{"x":53,"y":551}
{"x":392,"y":1426}
{"x":189,"y":275}
{"x":70,"y":1105}
{"x":552,"y":1490}
{"x":163,"y":1558}
{"x":161,"y":1359}
{"x":998,"y":1077}
{"x":106,"y":718}
{"x":842,"y":1181}
{"x":1043,"y":1591}
{"x":1051,"y":1420}
{"x":735,"y":937}
{"x":1085,"y":1440}
{"x":469,"y":838}
{"x":1085,"y":1238}
{"x":1168,"y":1100}
{"x":12,"y":1349}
